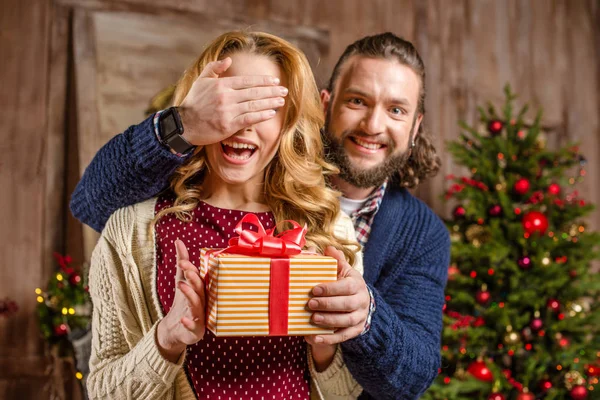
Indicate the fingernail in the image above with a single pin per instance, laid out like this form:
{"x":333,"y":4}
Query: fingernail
{"x":284,"y":91}
{"x":313,"y":304}
{"x":276,"y":81}
{"x":281,"y":102}
{"x":317,"y":290}
{"x":318,"y":318}
{"x":318,"y":339}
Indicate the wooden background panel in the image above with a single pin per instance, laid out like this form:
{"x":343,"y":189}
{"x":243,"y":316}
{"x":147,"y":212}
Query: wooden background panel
{"x":24,"y":76}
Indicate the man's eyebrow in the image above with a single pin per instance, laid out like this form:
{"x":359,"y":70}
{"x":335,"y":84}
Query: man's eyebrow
{"x":352,"y":90}
{"x":396,"y":100}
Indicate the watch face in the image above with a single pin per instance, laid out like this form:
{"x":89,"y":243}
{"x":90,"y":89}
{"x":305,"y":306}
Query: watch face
{"x":168,"y":125}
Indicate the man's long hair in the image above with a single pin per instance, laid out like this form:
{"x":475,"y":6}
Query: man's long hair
{"x":423,"y":161}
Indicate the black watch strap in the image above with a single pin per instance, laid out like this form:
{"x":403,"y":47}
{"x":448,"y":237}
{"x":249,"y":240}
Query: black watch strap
{"x":170,"y":130}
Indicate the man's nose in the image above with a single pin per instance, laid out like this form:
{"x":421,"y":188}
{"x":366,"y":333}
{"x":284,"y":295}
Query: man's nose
{"x":373,"y":123}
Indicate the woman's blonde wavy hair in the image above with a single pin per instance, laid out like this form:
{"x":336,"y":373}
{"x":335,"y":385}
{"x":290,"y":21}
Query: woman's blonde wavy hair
{"x":295,"y":185}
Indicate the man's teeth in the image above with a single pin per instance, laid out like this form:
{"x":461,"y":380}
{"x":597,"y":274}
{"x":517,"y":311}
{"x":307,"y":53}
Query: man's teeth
{"x":238,"y":145}
{"x":370,"y":146}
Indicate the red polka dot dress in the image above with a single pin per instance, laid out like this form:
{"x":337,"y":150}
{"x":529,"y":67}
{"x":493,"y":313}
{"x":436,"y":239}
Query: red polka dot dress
{"x":253,"y":367}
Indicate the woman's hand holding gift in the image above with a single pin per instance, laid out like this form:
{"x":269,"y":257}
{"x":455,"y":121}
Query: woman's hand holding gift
{"x":185,"y":322}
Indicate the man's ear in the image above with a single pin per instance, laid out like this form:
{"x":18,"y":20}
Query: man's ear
{"x":325,"y":97}
{"x":416,"y":127}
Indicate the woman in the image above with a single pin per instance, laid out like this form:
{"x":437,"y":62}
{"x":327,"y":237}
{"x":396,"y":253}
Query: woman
{"x":150,"y":339}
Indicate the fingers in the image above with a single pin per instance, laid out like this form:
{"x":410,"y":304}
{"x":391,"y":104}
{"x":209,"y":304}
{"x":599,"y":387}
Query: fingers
{"x":338,"y":337}
{"x":249,"y":81}
{"x":192,"y":276}
{"x":193,"y":298}
{"x":257,"y":93}
{"x":260,"y":105}
{"x":181,"y":250}
{"x":338,"y":304}
{"x":244,"y":120}
{"x":339,"y":256}
{"x":191,"y":324}
{"x":340,"y":320}
{"x":215,"y":68}
{"x":350,"y":285}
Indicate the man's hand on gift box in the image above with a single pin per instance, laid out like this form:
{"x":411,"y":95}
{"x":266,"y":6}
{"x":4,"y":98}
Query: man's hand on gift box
{"x":342,"y":305}
{"x":185,"y":322}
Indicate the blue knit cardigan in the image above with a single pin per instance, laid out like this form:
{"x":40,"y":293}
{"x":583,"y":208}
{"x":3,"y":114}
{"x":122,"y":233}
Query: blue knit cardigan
{"x":406,"y":263}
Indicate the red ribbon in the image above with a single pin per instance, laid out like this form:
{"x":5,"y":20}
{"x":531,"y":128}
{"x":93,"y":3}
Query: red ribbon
{"x":279,"y":248}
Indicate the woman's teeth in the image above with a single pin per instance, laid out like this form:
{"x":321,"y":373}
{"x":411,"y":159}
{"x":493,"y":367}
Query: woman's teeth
{"x":238,"y":145}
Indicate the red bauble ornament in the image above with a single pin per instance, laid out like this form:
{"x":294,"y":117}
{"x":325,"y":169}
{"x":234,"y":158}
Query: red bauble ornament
{"x":578,"y":392}
{"x":522,"y":186}
{"x":545,"y":385}
{"x":564,"y":342}
{"x":524,"y":262}
{"x":452,"y":271}
{"x":75,"y":279}
{"x":483,"y":297}
{"x":60,"y":330}
{"x":553,"y":304}
{"x":495,"y":210}
{"x":536,"y":324}
{"x":495,"y":127}
{"x":592,"y":370}
{"x":525,"y":396}
{"x":496,"y":396}
{"x":554,"y":189}
{"x":459,"y":212}
{"x":572,"y":273}
{"x":480,"y":371}
{"x":535,"y":221}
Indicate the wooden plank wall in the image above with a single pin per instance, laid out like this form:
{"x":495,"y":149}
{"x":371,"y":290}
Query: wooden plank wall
{"x":549,"y":50}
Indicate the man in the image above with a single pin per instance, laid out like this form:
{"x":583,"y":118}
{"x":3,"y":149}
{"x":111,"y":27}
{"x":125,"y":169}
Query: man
{"x":390,"y":323}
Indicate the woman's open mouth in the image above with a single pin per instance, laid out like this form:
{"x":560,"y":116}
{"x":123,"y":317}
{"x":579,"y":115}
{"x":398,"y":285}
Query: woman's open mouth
{"x":237,"y":152}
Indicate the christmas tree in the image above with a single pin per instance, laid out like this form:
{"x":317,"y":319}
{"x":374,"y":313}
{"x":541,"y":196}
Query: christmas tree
{"x":521,"y":319}
{"x":64,"y":314}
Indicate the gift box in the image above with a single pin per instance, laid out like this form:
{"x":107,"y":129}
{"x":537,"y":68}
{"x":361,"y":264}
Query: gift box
{"x":260,"y":285}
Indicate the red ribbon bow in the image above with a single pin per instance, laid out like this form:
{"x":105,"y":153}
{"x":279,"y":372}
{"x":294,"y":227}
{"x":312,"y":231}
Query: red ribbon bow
{"x":263,"y":242}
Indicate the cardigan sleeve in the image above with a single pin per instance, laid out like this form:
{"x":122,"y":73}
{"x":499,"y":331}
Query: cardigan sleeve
{"x":336,"y":382}
{"x":400,"y":355}
{"x":125,"y":362}
{"x":133,"y":166}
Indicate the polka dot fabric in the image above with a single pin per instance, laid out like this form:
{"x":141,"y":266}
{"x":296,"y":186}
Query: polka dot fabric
{"x":233,"y":367}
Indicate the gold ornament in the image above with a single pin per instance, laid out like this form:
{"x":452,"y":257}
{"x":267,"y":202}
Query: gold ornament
{"x":579,"y":307}
{"x":573,"y":378}
{"x":477,"y":235}
{"x":53,"y":301}
{"x":540,"y":142}
{"x":455,"y":237}
{"x":574,"y":230}
{"x":511,"y":337}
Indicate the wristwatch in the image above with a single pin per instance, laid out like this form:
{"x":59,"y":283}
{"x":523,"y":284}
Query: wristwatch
{"x":170,"y":130}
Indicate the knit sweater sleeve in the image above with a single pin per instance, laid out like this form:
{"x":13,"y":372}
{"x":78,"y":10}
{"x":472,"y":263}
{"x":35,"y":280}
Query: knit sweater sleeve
{"x":125,"y":362}
{"x":133,"y":166}
{"x":400,"y":355}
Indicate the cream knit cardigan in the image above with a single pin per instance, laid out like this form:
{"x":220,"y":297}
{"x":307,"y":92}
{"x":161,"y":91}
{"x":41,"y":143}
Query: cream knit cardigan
{"x":125,"y":361}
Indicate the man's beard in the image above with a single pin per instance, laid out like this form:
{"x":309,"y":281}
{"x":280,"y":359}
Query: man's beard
{"x":361,"y":178}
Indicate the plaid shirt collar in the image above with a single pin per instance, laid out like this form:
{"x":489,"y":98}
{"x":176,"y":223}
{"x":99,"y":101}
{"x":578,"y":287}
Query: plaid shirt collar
{"x":363,"y":217}
{"x":373,"y":202}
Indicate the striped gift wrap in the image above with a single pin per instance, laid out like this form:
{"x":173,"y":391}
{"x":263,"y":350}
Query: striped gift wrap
{"x":238,"y":287}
